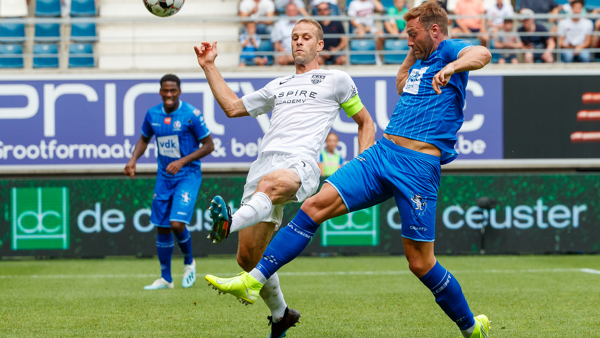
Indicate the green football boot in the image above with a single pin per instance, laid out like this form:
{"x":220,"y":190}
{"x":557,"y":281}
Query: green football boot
{"x":482,"y":329}
{"x":221,"y":217}
{"x":244,"y":287}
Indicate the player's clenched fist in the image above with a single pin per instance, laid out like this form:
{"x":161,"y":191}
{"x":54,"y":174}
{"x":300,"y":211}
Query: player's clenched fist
{"x":206,"y":53}
{"x":442,"y":78}
{"x":130,"y":169}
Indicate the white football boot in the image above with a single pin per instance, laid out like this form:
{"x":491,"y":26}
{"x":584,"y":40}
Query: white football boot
{"x":160,"y":283}
{"x":189,"y":275}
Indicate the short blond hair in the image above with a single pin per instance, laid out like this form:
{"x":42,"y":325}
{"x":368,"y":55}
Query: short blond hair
{"x":429,"y":13}
{"x":314,"y":23}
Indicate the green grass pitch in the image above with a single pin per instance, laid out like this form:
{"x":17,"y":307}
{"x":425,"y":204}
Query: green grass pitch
{"x":525,"y":296}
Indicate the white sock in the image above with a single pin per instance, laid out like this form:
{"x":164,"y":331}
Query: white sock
{"x":468,"y":332}
{"x":259,"y":276}
{"x":251,"y":213}
{"x":273,"y":297}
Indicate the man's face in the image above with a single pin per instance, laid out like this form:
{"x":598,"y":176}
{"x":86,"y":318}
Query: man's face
{"x":305,"y":46}
{"x":331,"y":141}
{"x":323,"y":9}
{"x":291,"y":10}
{"x":577,"y":8}
{"x":529,"y":25}
{"x":399,"y":3}
{"x":508,"y":26}
{"x":419,"y":39}
{"x":170,"y":93}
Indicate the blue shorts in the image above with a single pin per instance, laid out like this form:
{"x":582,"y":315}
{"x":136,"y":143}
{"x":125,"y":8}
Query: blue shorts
{"x":174,"y":199}
{"x":387,"y":170}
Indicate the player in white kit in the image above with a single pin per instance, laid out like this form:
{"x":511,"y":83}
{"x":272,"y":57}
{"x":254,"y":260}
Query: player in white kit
{"x":304,"y":107}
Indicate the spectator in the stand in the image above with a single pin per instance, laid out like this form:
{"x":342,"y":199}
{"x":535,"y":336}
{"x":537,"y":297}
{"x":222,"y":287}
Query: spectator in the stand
{"x":365,"y":24}
{"x":567,"y":9}
{"x":258,"y":8}
{"x":281,"y":6}
{"x":331,"y":44}
{"x":329,"y":158}
{"x":574,"y":35}
{"x":536,"y":41}
{"x":250,"y":43}
{"x":542,"y":7}
{"x":396,"y":24}
{"x":315,"y":3}
{"x":281,"y":35}
{"x":508,"y":40}
{"x":498,"y":12}
{"x":469,"y":25}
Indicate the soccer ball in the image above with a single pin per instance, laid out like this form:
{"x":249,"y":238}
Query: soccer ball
{"x":163,"y":8}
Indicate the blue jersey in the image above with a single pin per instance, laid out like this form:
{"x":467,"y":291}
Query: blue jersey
{"x":425,"y":116}
{"x":178,"y":134}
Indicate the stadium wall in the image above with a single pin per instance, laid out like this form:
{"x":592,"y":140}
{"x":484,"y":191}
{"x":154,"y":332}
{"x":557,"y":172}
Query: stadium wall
{"x":537,"y":214}
{"x":89,"y":123}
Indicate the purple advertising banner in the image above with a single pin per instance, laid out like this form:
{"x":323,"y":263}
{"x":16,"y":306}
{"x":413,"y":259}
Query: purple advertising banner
{"x":89,"y":121}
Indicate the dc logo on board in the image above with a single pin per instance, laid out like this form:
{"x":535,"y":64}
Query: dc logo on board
{"x":177,"y":126}
{"x":317,"y":79}
{"x":419,"y":204}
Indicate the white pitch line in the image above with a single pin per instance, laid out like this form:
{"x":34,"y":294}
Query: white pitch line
{"x":308,"y":273}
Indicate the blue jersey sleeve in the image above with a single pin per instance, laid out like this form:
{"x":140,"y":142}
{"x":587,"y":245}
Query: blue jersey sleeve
{"x":147,"y":127}
{"x":452,"y":49}
{"x":199,"y":127}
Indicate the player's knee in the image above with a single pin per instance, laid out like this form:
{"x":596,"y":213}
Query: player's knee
{"x":418,"y":265}
{"x":246,"y":261}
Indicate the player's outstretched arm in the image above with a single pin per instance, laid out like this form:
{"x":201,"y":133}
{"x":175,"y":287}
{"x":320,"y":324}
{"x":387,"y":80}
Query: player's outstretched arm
{"x":140,"y":148}
{"x":231,"y":104}
{"x":403,"y":71}
{"x":469,"y":59}
{"x":366,"y":129}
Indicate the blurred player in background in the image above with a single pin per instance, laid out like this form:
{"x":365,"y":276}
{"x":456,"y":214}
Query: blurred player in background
{"x":329,"y":159}
{"x":179,"y":129}
{"x":304,"y":107}
{"x":404,"y":164}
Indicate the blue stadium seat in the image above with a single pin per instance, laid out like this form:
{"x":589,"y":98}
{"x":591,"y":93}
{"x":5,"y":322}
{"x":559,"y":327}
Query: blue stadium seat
{"x":45,"y":56}
{"x":12,"y":32}
{"x":592,"y":4}
{"x":395,"y":45}
{"x":47,"y":32}
{"x":387,"y":4}
{"x":83,"y":8}
{"x":11,"y":62}
{"x":83,"y":32}
{"x":474,"y":42}
{"x":266,"y":46}
{"x":81,"y":55}
{"x":47,"y":8}
{"x":362,"y":46}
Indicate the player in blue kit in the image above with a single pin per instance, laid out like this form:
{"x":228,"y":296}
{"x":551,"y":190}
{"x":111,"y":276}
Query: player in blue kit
{"x":405,"y":164}
{"x":179,"y":129}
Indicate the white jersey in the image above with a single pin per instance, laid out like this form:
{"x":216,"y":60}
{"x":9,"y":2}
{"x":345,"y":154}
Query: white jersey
{"x":304,"y":108}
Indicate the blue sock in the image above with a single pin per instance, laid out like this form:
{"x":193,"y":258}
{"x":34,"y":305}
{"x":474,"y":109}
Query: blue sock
{"x":449,"y":296}
{"x":164,"y":247}
{"x":288,"y":244}
{"x":184,"y":239}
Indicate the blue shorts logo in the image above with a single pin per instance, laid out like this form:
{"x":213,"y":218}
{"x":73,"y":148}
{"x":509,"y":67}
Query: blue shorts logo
{"x":185,"y":198}
{"x":419,"y":204}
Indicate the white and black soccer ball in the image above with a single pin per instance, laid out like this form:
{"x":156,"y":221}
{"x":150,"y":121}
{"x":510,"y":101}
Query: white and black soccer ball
{"x":163,"y":8}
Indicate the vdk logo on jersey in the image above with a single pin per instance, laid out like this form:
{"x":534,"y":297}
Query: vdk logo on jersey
{"x":414,"y":80}
{"x":419,"y":204}
{"x":168,"y":146}
{"x":356,"y":228}
{"x":40,"y":218}
{"x":317,"y":79}
{"x":177,"y":126}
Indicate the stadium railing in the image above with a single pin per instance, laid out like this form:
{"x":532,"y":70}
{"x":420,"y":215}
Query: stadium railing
{"x":138,"y":40}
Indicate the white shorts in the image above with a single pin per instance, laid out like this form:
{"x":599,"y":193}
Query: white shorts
{"x":307,"y":170}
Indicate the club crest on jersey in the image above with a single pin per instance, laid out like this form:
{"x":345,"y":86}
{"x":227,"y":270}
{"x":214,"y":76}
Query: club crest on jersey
{"x":317,"y":79}
{"x":419,"y":204}
{"x":167,"y":120}
{"x":177,"y":126}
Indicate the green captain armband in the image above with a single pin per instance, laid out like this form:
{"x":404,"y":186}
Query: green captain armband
{"x":353,"y":106}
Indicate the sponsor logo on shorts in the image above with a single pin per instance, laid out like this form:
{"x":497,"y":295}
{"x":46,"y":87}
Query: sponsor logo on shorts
{"x":316,"y":79}
{"x":186,"y":198}
{"x":182,"y":213}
